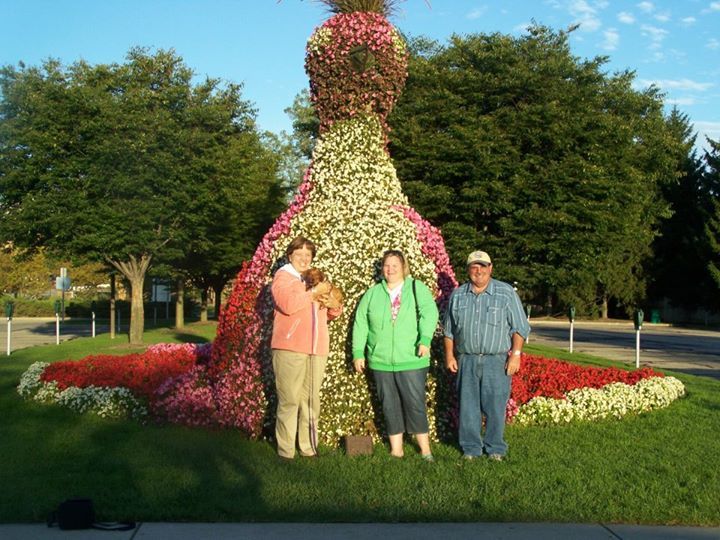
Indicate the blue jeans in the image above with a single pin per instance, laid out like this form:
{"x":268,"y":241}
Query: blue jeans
{"x":403,"y":398}
{"x":484,"y":389}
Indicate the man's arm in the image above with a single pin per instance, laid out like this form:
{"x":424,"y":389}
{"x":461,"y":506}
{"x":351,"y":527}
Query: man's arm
{"x":450,"y":360}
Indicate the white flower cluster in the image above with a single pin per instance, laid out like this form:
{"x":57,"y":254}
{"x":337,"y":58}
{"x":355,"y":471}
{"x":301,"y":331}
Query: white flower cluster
{"x":398,"y":42}
{"x":613,"y":400}
{"x":103,"y":401}
{"x":320,"y":39}
{"x":350,"y":216}
{"x":30,"y":381}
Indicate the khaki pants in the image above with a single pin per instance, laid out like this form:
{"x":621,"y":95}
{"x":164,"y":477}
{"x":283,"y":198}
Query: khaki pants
{"x":298,"y":377}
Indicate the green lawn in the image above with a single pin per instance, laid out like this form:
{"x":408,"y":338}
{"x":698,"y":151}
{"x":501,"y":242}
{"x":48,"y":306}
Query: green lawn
{"x":662,"y":467}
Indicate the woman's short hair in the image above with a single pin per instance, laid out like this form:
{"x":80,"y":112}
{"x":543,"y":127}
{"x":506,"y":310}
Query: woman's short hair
{"x":400,"y":255}
{"x":300,"y":242}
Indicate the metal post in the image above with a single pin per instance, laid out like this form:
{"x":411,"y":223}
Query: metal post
{"x":93,"y":324}
{"x":572,"y":327}
{"x":9,"y":331}
{"x":57,"y":328}
{"x":637,"y":321}
{"x":63,"y":279}
{"x":118,"y":320}
{"x":527,"y":312}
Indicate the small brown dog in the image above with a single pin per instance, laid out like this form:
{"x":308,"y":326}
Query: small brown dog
{"x":331,"y":300}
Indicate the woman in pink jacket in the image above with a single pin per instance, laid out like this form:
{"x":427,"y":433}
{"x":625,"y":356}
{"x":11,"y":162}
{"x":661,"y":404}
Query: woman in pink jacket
{"x":300,"y":345}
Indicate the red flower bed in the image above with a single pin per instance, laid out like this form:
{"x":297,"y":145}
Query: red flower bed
{"x":141,"y":373}
{"x":539,"y":376}
{"x":230,"y":394}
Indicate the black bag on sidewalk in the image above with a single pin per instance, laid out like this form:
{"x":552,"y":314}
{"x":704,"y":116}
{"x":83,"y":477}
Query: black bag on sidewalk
{"x":74,"y":514}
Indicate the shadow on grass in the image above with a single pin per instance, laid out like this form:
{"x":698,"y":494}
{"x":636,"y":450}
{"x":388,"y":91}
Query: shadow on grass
{"x":131,"y":472}
{"x":186,"y":337}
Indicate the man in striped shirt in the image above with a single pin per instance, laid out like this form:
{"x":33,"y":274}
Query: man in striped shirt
{"x":485,"y":328}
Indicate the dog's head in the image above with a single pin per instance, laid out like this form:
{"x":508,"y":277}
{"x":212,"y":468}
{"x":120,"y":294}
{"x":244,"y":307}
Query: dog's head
{"x":312,"y":276}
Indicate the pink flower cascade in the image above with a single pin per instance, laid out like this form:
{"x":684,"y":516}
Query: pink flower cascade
{"x":201,"y":350}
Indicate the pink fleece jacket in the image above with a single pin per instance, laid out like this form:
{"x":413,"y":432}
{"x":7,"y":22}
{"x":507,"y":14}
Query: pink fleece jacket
{"x":300,"y":324}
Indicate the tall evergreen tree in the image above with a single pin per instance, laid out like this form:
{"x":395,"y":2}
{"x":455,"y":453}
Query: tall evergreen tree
{"x":712,"y":228}
{"x":679,"y":266}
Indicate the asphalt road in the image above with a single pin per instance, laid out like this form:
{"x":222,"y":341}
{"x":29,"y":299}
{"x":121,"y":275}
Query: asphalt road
{"x":661,"y":346}
{"x":27,"y":332}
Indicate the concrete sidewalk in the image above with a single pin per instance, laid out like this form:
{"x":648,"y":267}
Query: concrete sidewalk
{"x":368,"y":531}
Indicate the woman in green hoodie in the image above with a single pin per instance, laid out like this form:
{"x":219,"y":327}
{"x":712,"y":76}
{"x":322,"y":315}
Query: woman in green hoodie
{"x":394,"y":324}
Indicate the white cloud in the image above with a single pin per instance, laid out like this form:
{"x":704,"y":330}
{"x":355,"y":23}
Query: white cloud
{"x":585,"y":14}
{"x":612,"y":38}
{"x":663,"y":17}
{"x":658,"y":56}
{"x":476,"y":13}
{"x":625,"y":17}
{"x":707,"y":129}
{"x":647,"y":7}
{"x":684,"y":101}
{"x":687,"y":21}
{"x":657,"y":35}
{"x":677,"y":84}
{"x":678,"y":56}
{"x":713,"y":44}
{"x":715,"y":6}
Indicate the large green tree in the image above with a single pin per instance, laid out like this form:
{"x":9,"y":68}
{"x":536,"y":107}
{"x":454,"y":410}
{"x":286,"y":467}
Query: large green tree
{"x":711,"y":174}
{"x":240,"y":197}
{"x":101,"y":162}
{"x":516,"y":146}
{"x":679,"y":267}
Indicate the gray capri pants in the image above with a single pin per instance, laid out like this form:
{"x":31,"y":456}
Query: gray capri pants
{"x":402,"y":394}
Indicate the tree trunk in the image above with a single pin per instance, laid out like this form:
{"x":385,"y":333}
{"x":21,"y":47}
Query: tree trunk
{"x":134,"y":271}
{"x":204,"y":304}
{"x":604,"y":307}
{"x":180,"y":304}
{"x":113,"y":292}
{"x":217,"y":288}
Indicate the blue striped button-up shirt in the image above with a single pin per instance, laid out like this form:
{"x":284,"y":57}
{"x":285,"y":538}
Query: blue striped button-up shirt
{"x":484,"y":323}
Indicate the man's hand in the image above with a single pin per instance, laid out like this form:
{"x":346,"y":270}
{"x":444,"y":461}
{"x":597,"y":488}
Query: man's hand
{"x":423,"y":350}
{"x":512,"y":365}
{"x":359,"y":364}
{"x":450,"y":360}
{"x":451,"y":363}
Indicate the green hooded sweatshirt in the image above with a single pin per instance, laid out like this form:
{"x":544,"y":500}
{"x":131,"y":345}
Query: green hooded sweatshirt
{"x":392,"y":346}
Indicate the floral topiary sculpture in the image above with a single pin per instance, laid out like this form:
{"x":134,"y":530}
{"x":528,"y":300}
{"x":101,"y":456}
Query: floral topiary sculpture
{"x":350,"y":204}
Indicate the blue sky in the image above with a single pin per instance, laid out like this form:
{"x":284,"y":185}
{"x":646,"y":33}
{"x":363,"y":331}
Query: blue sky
{"x":674,"y":44}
